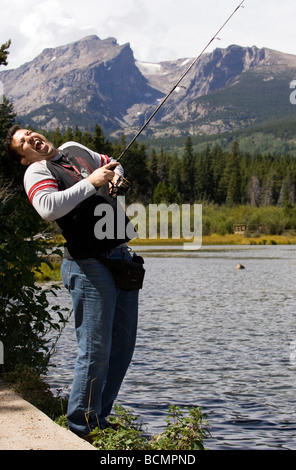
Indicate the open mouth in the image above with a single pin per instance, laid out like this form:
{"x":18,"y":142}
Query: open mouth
{"x":38,"y":145}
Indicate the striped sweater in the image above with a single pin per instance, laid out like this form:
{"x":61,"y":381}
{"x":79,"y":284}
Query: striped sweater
{"x":43,"y":192}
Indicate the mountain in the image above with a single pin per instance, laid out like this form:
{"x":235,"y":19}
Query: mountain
{"x":82,"y":83}
{"x":228,"y":89}
{"x":99,"y":81}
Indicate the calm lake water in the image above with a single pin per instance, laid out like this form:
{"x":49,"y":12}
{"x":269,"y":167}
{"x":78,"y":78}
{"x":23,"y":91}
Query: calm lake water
{"x":216,"y":337}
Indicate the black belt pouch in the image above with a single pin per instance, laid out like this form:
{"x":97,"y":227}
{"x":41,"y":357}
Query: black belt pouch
{"x":128,"y":275}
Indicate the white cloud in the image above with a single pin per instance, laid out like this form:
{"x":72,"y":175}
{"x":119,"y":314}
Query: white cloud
{"x":156,"y":29}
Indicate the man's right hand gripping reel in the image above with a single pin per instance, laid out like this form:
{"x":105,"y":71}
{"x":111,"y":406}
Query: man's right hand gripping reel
{"x":122,"y":185}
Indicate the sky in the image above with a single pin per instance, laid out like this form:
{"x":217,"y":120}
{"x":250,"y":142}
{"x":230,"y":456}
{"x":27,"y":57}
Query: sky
{"x":157,"y":30}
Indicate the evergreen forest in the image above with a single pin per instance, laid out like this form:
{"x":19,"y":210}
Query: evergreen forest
{"x":212,"y":175}
{"x":234,"y":187}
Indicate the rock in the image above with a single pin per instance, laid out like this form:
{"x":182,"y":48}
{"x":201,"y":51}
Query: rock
{"x":240,"y":266}
{"x":24,"y":427}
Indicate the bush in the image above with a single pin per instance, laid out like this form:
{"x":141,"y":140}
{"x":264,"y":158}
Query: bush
{"x":25,"y":317}
{"x":181,"y":432}
{"x":273,"y":219}
{"x":31,"y":386}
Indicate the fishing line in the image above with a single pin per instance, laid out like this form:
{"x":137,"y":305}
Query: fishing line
{"x":179,"y":81}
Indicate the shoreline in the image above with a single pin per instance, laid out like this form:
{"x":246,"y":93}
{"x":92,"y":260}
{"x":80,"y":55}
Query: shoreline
{"x":216,"y":240}
{"x":53,"y":274}
{"x":24,"y":427}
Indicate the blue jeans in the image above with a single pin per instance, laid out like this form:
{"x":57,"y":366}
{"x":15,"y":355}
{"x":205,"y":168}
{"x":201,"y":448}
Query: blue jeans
{"x":106,"y":323}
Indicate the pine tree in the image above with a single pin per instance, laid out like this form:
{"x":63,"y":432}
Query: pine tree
{"x":68,"y":136}
{"x":9,"y":169}
{"x":153,"y":178}
{"x":134,"y":163}
{"x":87,"y":139}
{"x":174,"y":178}
{"x":98,"y":140}
{"x":234,"y":188}
{"x":56,"y":137}
{"x":267,"y":198}
{"x":255,"y":191}
{"x":4,"y":52}
{"x":218,"y":166}
{"x":204,"y":178}
{"x":187,"y":172}
{"x":230,"y":183}
{"x":77,"y":134}
{"x":25,"y":319}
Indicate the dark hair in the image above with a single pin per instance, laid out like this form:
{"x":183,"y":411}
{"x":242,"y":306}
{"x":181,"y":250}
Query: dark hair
{"x":7,"y":143}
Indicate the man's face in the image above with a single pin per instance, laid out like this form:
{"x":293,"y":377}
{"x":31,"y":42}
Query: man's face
{"x":32,"y":146}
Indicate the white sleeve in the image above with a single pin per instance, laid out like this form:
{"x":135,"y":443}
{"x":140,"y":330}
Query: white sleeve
{"x":42,"y":190}
{"x":99,"y":158}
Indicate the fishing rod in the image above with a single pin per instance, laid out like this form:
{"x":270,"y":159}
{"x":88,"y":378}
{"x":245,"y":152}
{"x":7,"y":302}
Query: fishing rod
{"x":179,"y":81}
{"x":124,"y":184}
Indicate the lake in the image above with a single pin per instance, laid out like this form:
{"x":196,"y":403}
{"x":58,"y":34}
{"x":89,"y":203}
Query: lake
{"x":212,"y":336}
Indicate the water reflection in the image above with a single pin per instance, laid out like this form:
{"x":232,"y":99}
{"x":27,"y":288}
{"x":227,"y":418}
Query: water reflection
{"x":216,"y":337}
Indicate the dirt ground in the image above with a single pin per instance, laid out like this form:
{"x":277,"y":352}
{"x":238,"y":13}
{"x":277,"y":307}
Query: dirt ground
{"x":24,"y":427}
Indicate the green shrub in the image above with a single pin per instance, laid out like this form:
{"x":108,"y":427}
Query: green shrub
{"x":33,"y":388}
{"x":25,"y":315}
{"x":182,"y":432}
{"x":273,"y":219}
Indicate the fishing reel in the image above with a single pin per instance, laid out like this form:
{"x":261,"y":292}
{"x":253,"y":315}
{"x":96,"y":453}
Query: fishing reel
{"x":122,"y":185}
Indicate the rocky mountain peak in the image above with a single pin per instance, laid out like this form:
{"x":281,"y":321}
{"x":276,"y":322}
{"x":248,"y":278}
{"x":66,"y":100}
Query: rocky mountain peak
{"x":94,"y":81}
{"x":92,"y":76}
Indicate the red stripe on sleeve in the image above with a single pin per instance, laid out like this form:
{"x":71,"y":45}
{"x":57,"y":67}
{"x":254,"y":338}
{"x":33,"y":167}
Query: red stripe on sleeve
{"x":44,"y":184}
{"x":104,"y":160}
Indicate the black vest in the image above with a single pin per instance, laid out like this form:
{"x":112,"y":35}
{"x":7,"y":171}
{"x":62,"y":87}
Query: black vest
{"x":78,"y":226}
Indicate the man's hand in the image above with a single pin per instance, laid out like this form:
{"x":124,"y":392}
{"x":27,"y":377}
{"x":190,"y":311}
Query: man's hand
{"x":104,"y":175}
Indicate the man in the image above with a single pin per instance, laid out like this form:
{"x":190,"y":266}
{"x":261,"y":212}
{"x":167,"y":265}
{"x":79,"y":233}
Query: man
{"x":66,"y":185}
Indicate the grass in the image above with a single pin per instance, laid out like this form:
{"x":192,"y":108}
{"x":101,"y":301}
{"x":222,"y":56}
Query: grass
{"x":185,"y":430}
{"x":234,"y":239}
{"x":228,"y":239}
{"x":47,"y":273}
